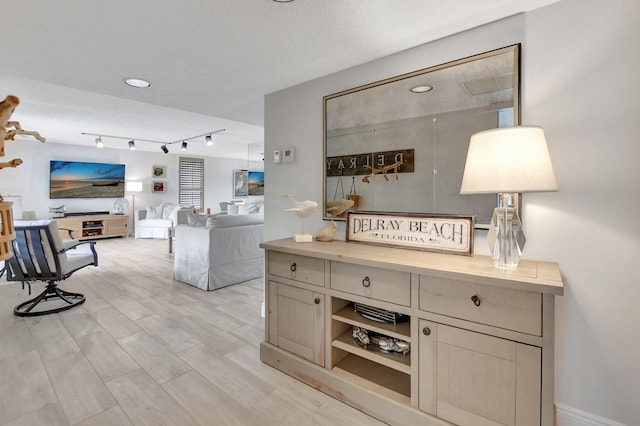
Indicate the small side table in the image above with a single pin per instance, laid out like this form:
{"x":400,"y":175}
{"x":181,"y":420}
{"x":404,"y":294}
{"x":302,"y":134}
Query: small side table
{"x":172,"y":233}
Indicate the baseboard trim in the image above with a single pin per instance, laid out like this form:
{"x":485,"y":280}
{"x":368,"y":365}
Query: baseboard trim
{"x":570,"y":416}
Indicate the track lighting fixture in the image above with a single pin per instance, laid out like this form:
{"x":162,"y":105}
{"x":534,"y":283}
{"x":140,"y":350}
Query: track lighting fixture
{"x":208,"y":138}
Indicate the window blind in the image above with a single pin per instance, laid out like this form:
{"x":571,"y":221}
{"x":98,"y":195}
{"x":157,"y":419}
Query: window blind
{"x":191,"y":182}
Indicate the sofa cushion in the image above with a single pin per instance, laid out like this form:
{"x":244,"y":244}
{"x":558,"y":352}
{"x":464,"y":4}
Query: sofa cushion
{"x":154,"y":223}
{"x":197,"y":220}
{"x":154,"y":212}
{"x":230,"y":221}
{"x":169,"y":210}
{"x":249,"y":208}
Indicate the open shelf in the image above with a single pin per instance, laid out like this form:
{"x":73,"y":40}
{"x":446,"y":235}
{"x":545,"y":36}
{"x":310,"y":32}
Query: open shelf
{"x":92,"y":228}
{"x":383,"y":380}
{"x":348,"y":315}
{"x":394,"y":360}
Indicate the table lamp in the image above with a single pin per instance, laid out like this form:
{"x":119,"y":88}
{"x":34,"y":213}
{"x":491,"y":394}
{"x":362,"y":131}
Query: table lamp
{"x":507,"y":161}
{"x":133,"y":186}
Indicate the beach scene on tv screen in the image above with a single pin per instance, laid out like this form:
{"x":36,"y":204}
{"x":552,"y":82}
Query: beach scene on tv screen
{"x":69,"y":179}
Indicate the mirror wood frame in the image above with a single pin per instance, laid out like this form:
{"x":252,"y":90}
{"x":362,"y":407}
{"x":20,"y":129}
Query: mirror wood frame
{"x":367,"y":92}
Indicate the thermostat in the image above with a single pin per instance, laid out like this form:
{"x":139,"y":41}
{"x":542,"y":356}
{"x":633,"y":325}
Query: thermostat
{"x":288,"y":155}
{"x":276,"y":155}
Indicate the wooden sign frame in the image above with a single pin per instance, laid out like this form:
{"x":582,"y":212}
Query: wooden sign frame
{"x":452,"y":234}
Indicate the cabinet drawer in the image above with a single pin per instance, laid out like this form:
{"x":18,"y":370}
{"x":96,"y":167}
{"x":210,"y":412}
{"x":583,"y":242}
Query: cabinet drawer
{"x":376,"y":283}
{"x":506,"y":308}
{"x":309,"y":270}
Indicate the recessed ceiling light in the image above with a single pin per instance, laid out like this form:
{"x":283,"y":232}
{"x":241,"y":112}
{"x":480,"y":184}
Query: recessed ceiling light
{"x":283,"y":1}
{"x":137,"y":82}
{"x":421,"y":89}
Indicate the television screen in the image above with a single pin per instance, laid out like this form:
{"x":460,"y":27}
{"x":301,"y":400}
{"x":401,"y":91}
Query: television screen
{"x":256,"y":183}
{"x":73,"y":179}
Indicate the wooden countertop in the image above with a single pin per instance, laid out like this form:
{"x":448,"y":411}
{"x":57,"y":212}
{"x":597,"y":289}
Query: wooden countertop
{"x":540,"y":277}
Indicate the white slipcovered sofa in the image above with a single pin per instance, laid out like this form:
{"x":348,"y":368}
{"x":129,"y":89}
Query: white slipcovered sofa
{"x":218,"y":251}
{"x":154,"y":222}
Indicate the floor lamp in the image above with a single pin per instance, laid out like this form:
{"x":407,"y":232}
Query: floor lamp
{"x":133,"y":187}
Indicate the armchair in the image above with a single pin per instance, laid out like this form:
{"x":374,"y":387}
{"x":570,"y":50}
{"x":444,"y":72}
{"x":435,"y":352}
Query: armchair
{"x":154,"y":222}
{"x":40,"y":254}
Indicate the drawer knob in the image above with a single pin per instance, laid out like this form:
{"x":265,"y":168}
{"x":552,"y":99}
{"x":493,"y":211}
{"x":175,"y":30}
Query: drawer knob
{"x":366,"y":282}
{"x":316,"y":300}
{"x":293,"y":267}
{"x":426,"y":331}
{"x":476,"y":300}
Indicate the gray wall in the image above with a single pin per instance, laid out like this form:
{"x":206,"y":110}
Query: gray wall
{"x":579,"y":66}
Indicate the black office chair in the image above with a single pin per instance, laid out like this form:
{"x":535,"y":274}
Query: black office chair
{"x":40,"y":254}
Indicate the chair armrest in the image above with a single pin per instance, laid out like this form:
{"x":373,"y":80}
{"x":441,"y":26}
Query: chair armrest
{"x":91,"y":246}
{"x":139,"y":215}
{"x":181,"y":217}
{"x":69,"y":244}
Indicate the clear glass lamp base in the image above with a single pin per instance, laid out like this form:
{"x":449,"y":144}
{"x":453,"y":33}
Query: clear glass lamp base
{"x":505,"y":236}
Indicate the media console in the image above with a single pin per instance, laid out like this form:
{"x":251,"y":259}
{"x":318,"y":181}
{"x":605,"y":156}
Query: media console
{"x":94,"y":226}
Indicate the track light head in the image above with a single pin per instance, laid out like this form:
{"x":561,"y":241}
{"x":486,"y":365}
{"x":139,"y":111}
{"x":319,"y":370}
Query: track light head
{"x":99,"y":142}
{"x":164,"y":149}
{"x":208,"y":140}
{"x":132,"y":145}
{"x":184,"y":146}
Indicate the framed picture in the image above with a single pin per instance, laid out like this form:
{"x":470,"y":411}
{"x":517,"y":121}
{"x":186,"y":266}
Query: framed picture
{"x":159,"y":172}
{"x":240,"y":183}
{"x":440,"y":233}
{"x":255,"y":181}
{"x":158,"y":186}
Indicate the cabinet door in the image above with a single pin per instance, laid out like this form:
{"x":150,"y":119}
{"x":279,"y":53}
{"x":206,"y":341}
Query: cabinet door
{"x":476,"y":379}
{"x":73,"y":225}
{"x":297,"y":321}
{"x":116,"y":226}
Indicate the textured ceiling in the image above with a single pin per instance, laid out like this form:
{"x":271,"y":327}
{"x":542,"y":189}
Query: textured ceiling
{"x":210,"y":62}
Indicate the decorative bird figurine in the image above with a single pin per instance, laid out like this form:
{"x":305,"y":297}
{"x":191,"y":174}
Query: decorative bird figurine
{"x":338,"y":207}
{"x":327,"y":232}
{"x":302,"y":209}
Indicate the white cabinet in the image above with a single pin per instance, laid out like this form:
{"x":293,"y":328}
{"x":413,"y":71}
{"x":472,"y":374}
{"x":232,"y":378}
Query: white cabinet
{"x":473,"y":379}
{"x":296,"y":310}
{"x":297,"y":321}
{"x":480,"y":340}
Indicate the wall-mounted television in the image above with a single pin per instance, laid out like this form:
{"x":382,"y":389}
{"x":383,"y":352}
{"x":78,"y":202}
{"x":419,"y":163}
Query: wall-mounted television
{"x":80,"y":179}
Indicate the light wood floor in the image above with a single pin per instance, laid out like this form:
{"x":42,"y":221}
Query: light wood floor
{"x":147,"y":350}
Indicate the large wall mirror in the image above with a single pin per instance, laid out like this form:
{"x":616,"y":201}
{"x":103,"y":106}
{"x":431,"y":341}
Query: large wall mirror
{"x":400,"y":145}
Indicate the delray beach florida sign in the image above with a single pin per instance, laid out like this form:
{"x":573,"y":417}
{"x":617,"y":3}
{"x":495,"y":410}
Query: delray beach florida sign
{"x":439,"y":233}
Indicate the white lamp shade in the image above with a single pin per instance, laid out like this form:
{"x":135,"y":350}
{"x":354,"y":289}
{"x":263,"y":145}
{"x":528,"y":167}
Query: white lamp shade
{"x":133,"y":186}
{"x":511,"y":159}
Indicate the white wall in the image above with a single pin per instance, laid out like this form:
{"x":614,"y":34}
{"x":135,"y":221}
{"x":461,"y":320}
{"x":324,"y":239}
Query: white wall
{"x":579,"y":66}
{"x":31,"y":179}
